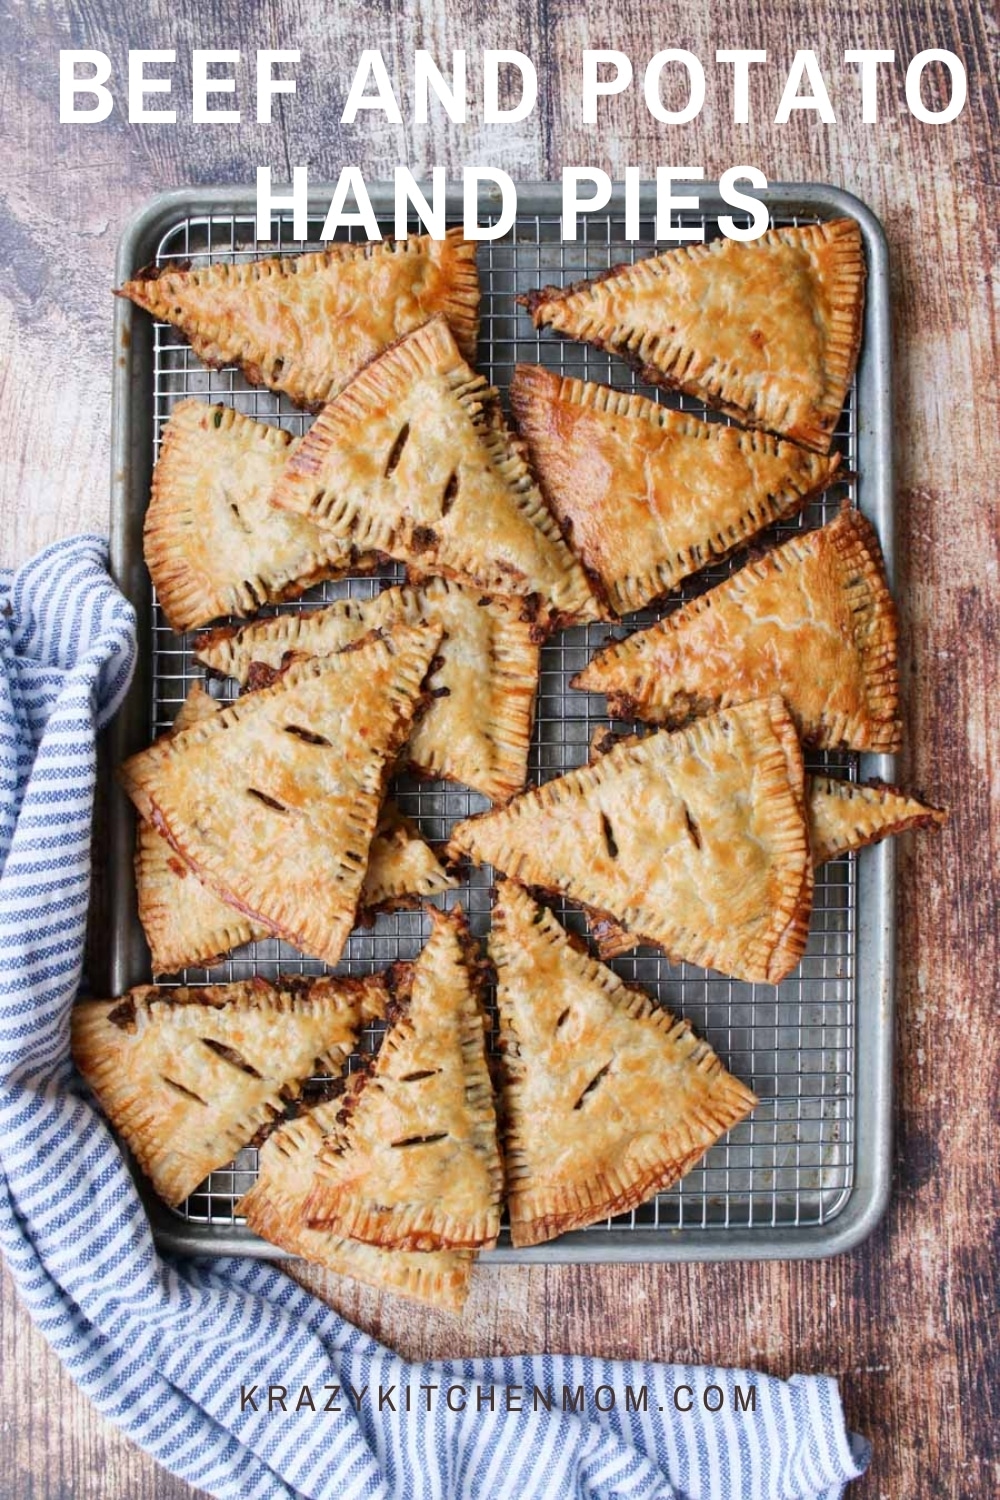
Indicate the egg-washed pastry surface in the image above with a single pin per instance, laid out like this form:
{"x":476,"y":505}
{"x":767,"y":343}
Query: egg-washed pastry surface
{"x":305,"y":324}
{"x":213,"y":543}
{"x":848,"y":815}
{"x":413,"y":459}
{"x":607,"y":1099}
{"x":695,"y":841}
{"x":417,"y":1166}
{"x":842,"y":816}
{"x":647,"y":495}
{"x":812,"y":620}
{"x":274,"y":800}
{"x":768,"y":330}
{"x":186,"y":923}
{"x":477,"y":727}
{"x":274,"y":1210}
{"x":188,"y":1076}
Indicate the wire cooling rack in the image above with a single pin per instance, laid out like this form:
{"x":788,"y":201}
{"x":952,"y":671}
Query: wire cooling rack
{"x":792,"y":1163}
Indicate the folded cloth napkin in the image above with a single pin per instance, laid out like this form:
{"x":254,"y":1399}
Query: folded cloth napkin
{"x":222,"y":1368}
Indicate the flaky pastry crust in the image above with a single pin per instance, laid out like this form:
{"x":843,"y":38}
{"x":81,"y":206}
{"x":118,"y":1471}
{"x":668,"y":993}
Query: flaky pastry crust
{"x":768,"y":330}
{"x":213,"y":543}
{"x":812,"y":620}
{"x":695,"y":841}
{"x":417,"y":1166}
{"x":413,"y":459}
{"x":273,"y":801}
{"x":607,"y":1098}
{"x":305,"y":324}
{"x":849,"y":815}
{"x":188,"y":1076}
{"x":477,"y":727}
{"x":647,"y":495}
{"x":186,"y":923}
{"x":274,"y":1206}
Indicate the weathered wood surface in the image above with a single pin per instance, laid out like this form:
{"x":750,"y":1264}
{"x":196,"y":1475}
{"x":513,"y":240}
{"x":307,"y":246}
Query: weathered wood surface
{"x":908,"y":1321}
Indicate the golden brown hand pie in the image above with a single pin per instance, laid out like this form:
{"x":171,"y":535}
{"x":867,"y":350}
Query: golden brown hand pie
{"x":647,"y":495}
{"x":305,"y":324}
{"x":768,"y":330}
{"x":845,"y":815}
{"x":607,"y":1099}
{"x":273,"y":1209}
{"x":413,"y":459}
{"x":213,"y":543}
{"x":812,"y":620}
{"x":273,"y":801}
{"x":188,"y":1076}
{"x":186,"y":923}
{"x":417,"y":1166}
{"x":477,"y":728}
{"x":696,"y":841}
{"x":842,"y":816}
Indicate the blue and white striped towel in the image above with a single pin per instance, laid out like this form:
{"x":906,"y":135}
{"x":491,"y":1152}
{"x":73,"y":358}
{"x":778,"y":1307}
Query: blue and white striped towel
{"x":167,"y":1350}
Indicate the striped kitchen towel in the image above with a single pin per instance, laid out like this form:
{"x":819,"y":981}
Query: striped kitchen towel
{"x":224,"y":1369}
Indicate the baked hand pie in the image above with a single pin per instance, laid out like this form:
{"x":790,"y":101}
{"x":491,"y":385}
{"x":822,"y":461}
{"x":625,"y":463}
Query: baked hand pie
{"x":766,"y":330}
{"x":477,"y":727}
{"x":607,"y":1099}
{"x":647,"y":495}
{"x":305,"y":324}
{"x":187,"y":924}
{"x":812,"y":620}
{"x":695,"y":841}
{"x":189,"y":1076}
{"x":842,"y":816}
{"x":413,"y":459}
{"x":417,"y":1165}
{"x":848,"y":815}
{"x":274,"y":800}
{"x":273,"y":1209}
{"x":213,"y":543}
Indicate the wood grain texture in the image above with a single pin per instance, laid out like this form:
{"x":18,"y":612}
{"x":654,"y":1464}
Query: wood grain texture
{"x":907,"y":1322}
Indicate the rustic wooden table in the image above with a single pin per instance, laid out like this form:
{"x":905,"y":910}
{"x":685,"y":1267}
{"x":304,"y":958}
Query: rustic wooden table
{"x":907,"y":1322}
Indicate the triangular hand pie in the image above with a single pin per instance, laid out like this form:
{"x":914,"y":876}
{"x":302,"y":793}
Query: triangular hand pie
{"x":186,"y":923}
{"x":812,"y":620}
{"x":413,"y":459}
{"x":647,"y":495}
{"x":842,"y":816}
{"x":768,"y":331}
{"x":274,"y":1205}
{"x":477,"y":728}
{"x":607,"y":1099}
{"x":846,"y":815}
{"x":273,"y":801}
{"x":417,"y":1166}
{"x":188,"y":1076}
{"x":696,"y":840}
{"x":304,"y":324}
{"x":214,"y":545}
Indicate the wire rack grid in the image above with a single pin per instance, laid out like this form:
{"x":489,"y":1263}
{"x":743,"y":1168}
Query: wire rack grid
{"x":792,"y":1163}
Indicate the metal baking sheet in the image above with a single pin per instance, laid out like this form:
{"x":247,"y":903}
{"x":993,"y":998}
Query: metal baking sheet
{"x":808,"y":1174}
